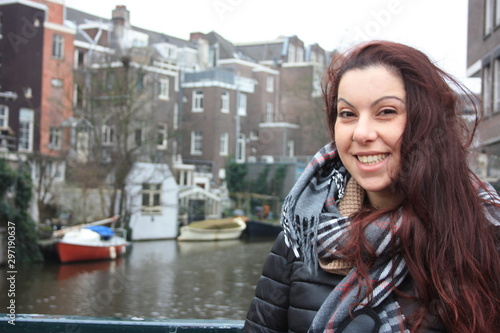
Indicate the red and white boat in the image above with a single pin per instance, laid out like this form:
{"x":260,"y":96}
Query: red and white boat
{"x":92,"y":243}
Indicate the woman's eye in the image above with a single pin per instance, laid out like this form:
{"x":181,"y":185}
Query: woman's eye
{"x":388,"y":111}
{"x":346,"y":114}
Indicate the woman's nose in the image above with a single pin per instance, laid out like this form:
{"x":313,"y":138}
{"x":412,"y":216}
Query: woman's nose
{"x":365,"y":131}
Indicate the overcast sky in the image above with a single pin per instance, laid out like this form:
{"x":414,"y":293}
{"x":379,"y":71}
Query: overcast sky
{"x":436,"y":27}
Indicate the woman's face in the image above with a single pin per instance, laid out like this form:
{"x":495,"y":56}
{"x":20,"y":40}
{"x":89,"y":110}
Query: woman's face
{"x":371,"y":117}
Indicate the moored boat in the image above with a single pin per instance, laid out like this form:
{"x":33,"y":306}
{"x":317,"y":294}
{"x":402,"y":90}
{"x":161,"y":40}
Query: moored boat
{"x":92,"y":243}
{"x":213,"y":230}
{"x":262,"y":229}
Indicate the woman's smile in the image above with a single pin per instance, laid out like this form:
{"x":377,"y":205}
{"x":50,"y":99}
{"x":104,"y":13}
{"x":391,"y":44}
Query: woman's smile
{"x":371,"y":159}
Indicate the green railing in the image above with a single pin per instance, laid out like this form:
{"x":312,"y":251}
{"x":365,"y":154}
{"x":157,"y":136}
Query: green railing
{"x":28,"y":323}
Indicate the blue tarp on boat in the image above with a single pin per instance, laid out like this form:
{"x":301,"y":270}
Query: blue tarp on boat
{"x":105,"y":232}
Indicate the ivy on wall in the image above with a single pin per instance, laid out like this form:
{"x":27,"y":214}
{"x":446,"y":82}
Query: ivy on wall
{"x":16,"y":193}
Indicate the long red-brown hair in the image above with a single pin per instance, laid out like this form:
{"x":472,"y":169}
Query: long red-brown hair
{"x":445,"y":237}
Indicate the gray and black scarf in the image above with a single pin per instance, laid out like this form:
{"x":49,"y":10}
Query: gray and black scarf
{"x":314,"y":228}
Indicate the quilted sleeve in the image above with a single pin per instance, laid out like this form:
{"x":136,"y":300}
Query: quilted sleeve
{"x":269,"y":308}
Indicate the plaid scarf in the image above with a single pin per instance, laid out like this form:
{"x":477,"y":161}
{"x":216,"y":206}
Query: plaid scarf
{"x":314,"y":228}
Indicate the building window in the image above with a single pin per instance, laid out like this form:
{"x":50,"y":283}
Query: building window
{"x":240,"y":146}
{"x":176,"y":116}
{"x":139,"y":84}
{"x":300,"y":54}
{"x":1,"y":25}
{"x":55,"y":138}
{"x":164,"y":89}
{"x":270,"y":83}
{"x":197,"y":101}
{"x":312,"y":57}
{"x":196,"y":143}
{"x":242,"y":104}
{"x":82,"y":145}
{"x":496,"y":85}
{"x":486,"y":90}
{"x":108,"y":135}
{"x":269,"y":113}
{"x":497,"y":12}
{"x":488,"y":16}
{"x":151,"y":199}
{"x":316,"y":88}
{"x":224,"y":143}
{"x":26,"y":126}
{"x":291,"y":53}
{"x":56,"y":83}
{"x":161,"y":136}
{"x":78,"y":97}
{"x":224,"y":102}
{"x":57,"y":46}
{"x":4,"y":116}
{"x":290,"y":148}
{"x":138,"y":139}
{"x":80,"y":59}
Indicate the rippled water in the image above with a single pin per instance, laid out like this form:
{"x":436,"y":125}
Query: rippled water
{"x":156,"y":279}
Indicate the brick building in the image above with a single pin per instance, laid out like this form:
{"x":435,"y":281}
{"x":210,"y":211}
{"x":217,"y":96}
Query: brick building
{"x":483,"y":60}
{"x":100,"y":90}
{"x":36,"y":99}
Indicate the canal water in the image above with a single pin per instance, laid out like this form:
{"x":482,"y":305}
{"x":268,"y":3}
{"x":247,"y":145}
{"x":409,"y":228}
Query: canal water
{"x":156,"y":279}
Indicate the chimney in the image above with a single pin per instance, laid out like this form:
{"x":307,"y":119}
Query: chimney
{"x":197,"y":35}
{"x":121,"y":16}
{"x":121,"y":23}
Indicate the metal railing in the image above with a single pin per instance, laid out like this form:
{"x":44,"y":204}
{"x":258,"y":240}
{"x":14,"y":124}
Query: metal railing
{"x":24,"y":323}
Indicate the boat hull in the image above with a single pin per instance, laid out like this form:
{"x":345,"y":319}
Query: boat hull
{"x":194,"y":234}
{"x":259,"y":229}
{"x":70,"y":252}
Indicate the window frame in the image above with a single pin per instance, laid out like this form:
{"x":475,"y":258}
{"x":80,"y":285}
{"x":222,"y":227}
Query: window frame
{"x":108,"y":135}
{"x":5,"y":117}
{"x":225,"y":99}
{"x":164,"y":89}
{"x":198,"y":96}
{"x":153,"y":204}
{"x":224,"y":144}
{"x":26,"y":116}
{"x":138,"y":137}
{"x":496,"y":21}
{"x":196,"y":143}
{"x":270,"y":83}
{"x":242,"y":104}
{"x":241,"y":146}
{"x":291,"y":53}
{"x":55,"y":138}
{"x":1,"y":25}
{"x":299,"y":57}
{"x":57,"y":46}
{"x":486,"y":91}
{"x":269,"y":112}
{"x":163,"y":131}
{"x":290,"y":148}
{"x":495,"y":86}
{"x":488,"y":17}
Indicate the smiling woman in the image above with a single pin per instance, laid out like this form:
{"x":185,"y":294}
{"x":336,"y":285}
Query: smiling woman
{"x":368,"y":132}
{"x":387,"y":229}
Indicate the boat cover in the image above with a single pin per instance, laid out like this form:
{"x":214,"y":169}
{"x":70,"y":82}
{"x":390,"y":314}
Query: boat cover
{"x":105,"y":232}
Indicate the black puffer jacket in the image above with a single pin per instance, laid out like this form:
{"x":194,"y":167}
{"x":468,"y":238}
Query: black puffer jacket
{"x":288,"y":297}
